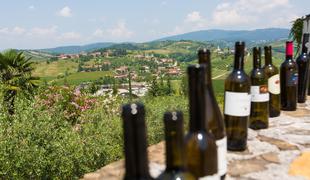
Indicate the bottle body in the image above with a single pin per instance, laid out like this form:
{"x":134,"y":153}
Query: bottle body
{"x":303,"y":70}
{"x":175,"y":160}
{"x":201,"y":154}
{"x":272,"y":73}
{"x":303,"y":76}
{"x":237,"y":102}
{"x":237,"y":110}
{"x":213,"y":115}
{"x":289,"y":81}
{"x":200,"y":146}
{"x":259,"y":116}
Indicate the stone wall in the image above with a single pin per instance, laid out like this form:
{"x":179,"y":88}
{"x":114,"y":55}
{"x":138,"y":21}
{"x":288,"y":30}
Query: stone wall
{"x":281,"y":152}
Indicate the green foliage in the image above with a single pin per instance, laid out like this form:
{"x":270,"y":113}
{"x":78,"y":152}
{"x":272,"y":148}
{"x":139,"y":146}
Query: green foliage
{"x":39,"y":145}
{"x":16,"y":76}
{"x":296,"y":32}
{"x":40,"y":142}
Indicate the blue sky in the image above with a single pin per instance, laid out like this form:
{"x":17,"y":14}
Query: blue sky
{"x":47,"y":23}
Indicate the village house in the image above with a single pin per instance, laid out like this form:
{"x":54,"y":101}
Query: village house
{"x":95,"y":54}
{"x":175,"y":71}
{"x":121,"y":70}
{"x":145,"y":69}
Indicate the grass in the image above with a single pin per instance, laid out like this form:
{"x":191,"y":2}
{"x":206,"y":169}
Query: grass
{"x":80,"y":77}
{"x":53,"y":69}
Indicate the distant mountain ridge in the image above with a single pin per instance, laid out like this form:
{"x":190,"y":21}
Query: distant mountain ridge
{"x":258,"y":35}
{"x":268,"y":34}
{"x":77,"y":49}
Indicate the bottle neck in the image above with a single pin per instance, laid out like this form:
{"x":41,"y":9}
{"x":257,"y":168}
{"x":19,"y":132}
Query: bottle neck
{"x":174,"y":145}
{"x":206,"y":60}
{"x":197,"y":101}
{"x":136,"y":160}
{"x":239,"y":58}
{"x":256,"y":59}
{"x":305,"y":42}
{"x":268,"y":56}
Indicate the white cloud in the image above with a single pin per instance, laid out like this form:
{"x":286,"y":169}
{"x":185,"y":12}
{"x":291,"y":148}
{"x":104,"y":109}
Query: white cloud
{"x":65,"y":12}
{"x":250,"y":13}
{"x":120,"y":31}
{"x":31,"y":7}
{"x":99,"y":33}
{"x":12,"y":31}
{"x":193,"y":17}
{"x":70,"y":36}
{"x":18,"y":30}
{"x":39,"y":31}
{"x":4,"y":30}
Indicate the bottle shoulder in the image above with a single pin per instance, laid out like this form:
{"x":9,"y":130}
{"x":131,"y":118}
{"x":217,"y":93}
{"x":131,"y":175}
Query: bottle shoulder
{"x":289,"y":64}
{"x":238,"y":81}
{"x":271,"y":70}
{"x":258,"y":77}
{"x":200,"y":140}
{"x":303,"y":58}
{"x":238,"y":77}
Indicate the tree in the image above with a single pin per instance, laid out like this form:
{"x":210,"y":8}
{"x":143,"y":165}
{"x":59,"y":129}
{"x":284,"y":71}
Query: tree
{"x":154,"y":88}
{"x":16,"y":76}
{"x":184,"y":86}
{"x":296,"y":32}
{"x":169,"y":90}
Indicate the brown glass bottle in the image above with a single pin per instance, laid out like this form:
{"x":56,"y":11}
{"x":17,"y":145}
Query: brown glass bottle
{"x":259,"y":116}
{"x":175,"y":152}
{"x":272,"y":73}
{"x":135,"y":144}
{"x":303,"y":63}
{"x":237,"y":103}
{"x":201,"y":152}
{"x":214,"y":115}
{"x":289,"y":80}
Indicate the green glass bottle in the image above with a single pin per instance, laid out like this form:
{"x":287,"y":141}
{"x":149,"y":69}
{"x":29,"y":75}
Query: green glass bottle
{"x":303,"y":63}
{"x":175,"y":152}
{"x":201,"y":150}
{"x":259,"y":116}
{"x":272,"y":73}
{"x":214,"y":116}
{"x":237,"y":103}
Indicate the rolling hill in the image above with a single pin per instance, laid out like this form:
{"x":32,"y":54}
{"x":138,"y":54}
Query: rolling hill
{"x":77,"y":49}
{"x":219,"y":37}
{"x":269,"y":34}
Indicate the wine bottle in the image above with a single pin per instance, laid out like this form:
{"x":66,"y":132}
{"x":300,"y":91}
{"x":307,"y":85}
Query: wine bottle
{"x":289,"y":80}
{"x":136,"y":161}
{"x":213,"y":114}
{"x":237,"y":103}
{"x":303,"y":62}
{"x":200,"y":146}
{"x":272,"y":73}
{"x":259,"y":94}
{"x":175,"y":160}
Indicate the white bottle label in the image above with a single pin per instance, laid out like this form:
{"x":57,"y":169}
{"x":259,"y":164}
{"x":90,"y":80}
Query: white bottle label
{"x":274,"y":84}
{"x":259,"y":93}
{"x":211,"y":177}
{"x":221,"y":156}
{"x":237,"y":103}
